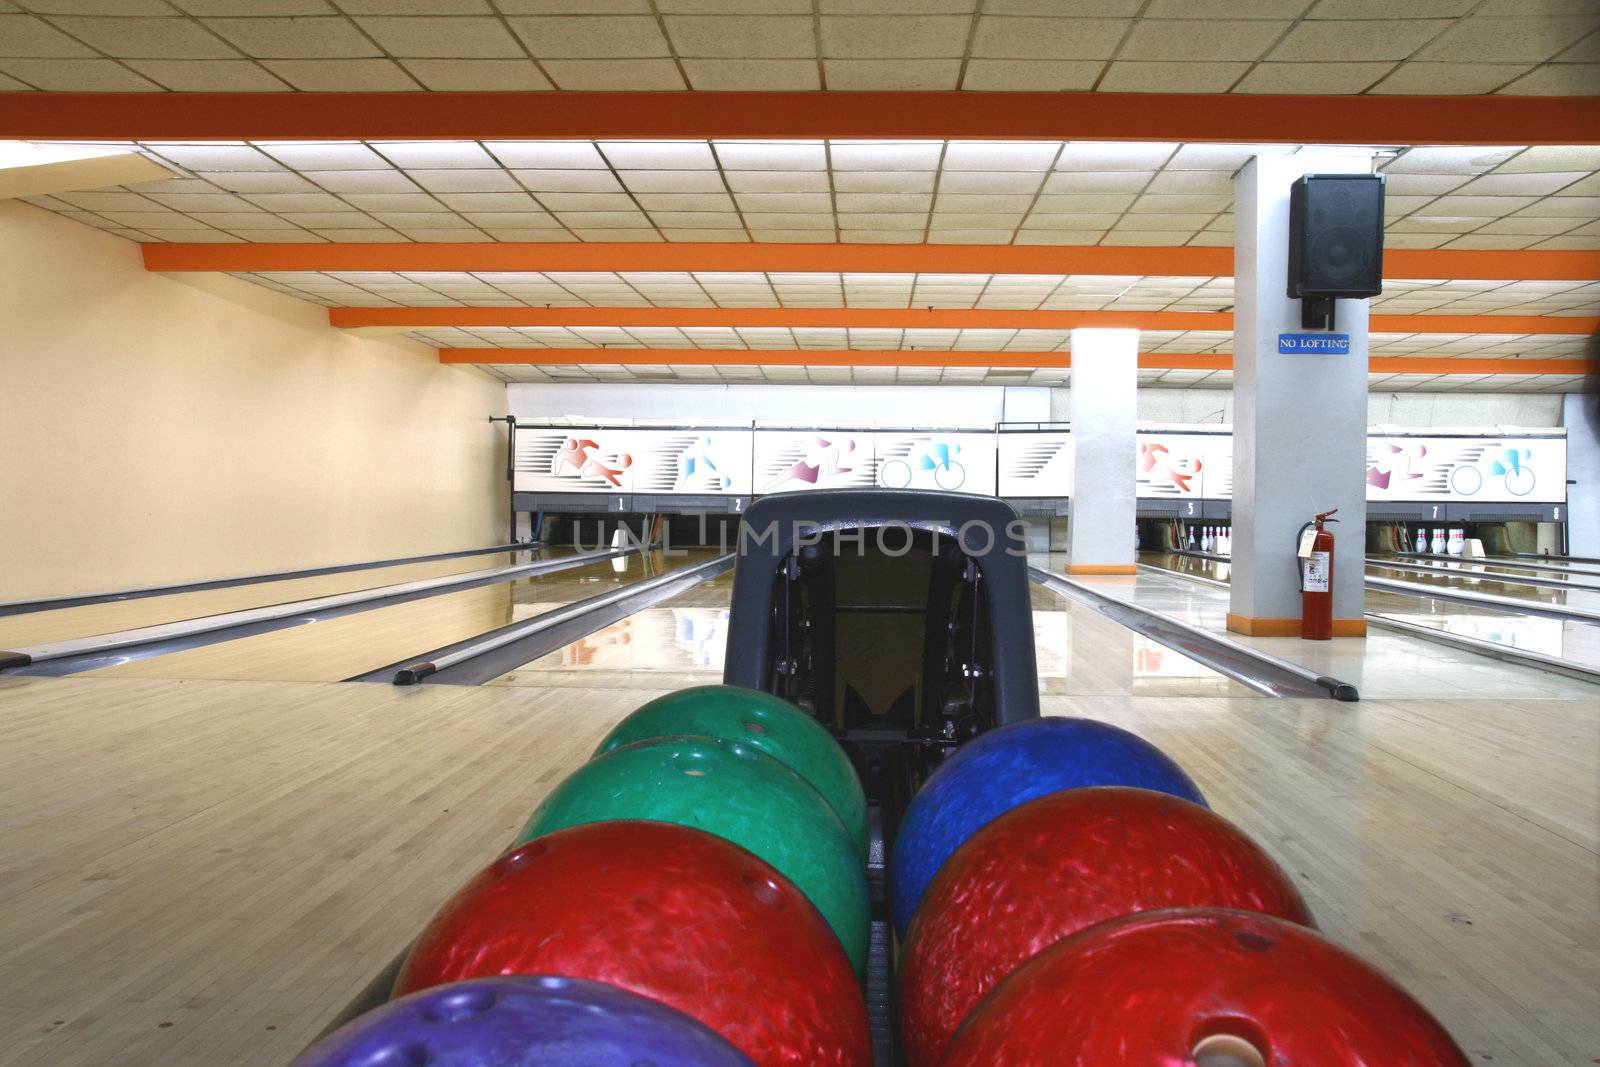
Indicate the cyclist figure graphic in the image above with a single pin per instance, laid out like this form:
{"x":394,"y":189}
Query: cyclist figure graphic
{"x":936,"y":456}
{"x":1510,"y":465}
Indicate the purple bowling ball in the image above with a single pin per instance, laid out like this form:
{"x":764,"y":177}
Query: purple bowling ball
{"x":523,"y":1022}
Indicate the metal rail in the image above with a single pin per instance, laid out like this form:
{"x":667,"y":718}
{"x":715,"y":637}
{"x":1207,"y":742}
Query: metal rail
{"x":1504,"y":561}
{"x":1250,"y":667}
{"x":1488,"y":576}
{"x":73,"y":600}
{"x":103,"y":650}
{"x":1511,"y":604}
{"x":1507,"y":653}
{"x":490,"y":655}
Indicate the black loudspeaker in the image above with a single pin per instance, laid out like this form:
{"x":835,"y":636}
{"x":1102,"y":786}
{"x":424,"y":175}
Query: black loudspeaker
{"x":1336,"y":236}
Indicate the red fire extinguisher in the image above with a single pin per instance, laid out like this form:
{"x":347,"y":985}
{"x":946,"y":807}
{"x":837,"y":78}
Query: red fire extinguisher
{"x":1316,"y":579}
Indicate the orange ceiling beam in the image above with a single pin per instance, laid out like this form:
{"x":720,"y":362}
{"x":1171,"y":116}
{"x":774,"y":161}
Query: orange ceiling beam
{"x":834,"y":258}
{"x":1357,"y":120}
{"x":824,"y":318}
{"x":908,"y":318}
{"x":793,"y":357}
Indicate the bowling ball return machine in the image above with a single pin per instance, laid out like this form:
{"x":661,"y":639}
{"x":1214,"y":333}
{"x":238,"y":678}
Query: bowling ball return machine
{"x":899,"y":619}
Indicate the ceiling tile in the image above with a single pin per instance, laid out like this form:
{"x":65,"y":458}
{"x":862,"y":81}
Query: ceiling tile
{"x":28,"y":37}
{"x":295,"y":38}
{"x":343,"y":75}
{"x":1312,"y":78}
{"x":894,"y":36}
{"x":1557,"y":79}
{"x":901,"y":75}
{"x":752,"y":75}
{"x":1448,"y":79}
{"x":1362,"y":41}
{"x":1114,"y":155}
{"x":671,"y":155}
{"x":480,"y":37}
{"x":1001,"y":37}
{"x":733,"y":36}
{"x":477,"y":75}
{"x":614,"y":75}
{"x":1529,"y":40}
{"x":147,"y":38}
{"x":1031,"y":75}
{"x":1141,"y":77}
{"x":1214,"y":39}
{"x":591,"y":36}
{"x":209,"y":75}
{"x":76,"y":75}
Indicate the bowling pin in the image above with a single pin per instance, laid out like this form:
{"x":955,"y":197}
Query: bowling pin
{"x":1436,"y":545}
{"x":1191,"y":539}
{"x":1227,"y":541}
{"x":1457,"y":541}
{"x":1422,"y":541}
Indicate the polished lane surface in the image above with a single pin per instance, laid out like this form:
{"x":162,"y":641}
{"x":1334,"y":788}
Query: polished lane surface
{"x":339,"y":648}
{"x":1572,"y":640}
{"x":1384,"y":664}
{"x":680,"y":642}
{"x":88,"y":620}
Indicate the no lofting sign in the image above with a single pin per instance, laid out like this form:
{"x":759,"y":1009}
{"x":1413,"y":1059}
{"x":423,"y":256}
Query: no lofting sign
{"x":1309,"y":344}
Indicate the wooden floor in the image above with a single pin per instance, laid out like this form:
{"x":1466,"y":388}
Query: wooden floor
{"x":204,"y":872}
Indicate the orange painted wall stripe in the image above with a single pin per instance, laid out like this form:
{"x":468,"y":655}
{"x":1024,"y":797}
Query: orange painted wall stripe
{"x":909,"y":318}
{"x":805,"y":357}
{"x":1359,"y":120}
{"x":1185,"y":261}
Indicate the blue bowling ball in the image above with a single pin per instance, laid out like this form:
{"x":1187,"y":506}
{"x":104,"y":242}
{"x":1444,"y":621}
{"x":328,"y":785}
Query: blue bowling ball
{"x":522,"y":1022}
{"x":1008,"y":766}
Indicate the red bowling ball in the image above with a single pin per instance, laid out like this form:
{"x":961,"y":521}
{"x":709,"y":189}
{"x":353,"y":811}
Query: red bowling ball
{"x":1054,"y":866}
{"x":1200,"y":988}
{"x":668,"y":912}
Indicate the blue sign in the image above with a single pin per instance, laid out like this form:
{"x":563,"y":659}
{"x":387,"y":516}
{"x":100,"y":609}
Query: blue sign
{"x":1322,"y":344}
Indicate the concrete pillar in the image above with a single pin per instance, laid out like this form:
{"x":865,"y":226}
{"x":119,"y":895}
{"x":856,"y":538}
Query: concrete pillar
{"x":1105,"y":411}
{"x":1580,"y":414}
{"x":1299,"y":421}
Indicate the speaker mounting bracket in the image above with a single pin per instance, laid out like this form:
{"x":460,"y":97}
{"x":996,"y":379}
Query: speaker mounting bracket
{"x":1316,"y":313}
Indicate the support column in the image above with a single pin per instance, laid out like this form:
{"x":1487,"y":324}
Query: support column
{"x":1105,"y":410}
{"x":1299,"y":422}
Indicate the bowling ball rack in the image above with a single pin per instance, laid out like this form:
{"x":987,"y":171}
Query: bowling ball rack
{"x":901,"y":621}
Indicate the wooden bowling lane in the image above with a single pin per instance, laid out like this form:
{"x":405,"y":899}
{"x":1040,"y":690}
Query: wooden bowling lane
{"x":340,"y":648}
{"x":1580,"y":597}
{"x":62,"y":624}
{"x":676,"y":643}
{"x":1081,"y":652}
{"x":203,"y":873}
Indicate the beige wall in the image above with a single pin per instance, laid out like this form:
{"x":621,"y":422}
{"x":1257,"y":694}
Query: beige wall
{"x":157,"y":429}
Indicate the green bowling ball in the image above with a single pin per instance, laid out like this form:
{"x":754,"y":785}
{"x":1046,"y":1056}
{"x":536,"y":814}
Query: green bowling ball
{"x":732,"y":790}
{"x":764,"y":722}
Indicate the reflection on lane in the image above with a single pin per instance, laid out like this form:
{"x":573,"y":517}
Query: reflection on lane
{"x":1571,"y":640}
{"x":87,"y":620}
{"x":677,"y":643}
{"x":335,"y":649}
{"x":1582,"y":596}
{"x":681,"y":642}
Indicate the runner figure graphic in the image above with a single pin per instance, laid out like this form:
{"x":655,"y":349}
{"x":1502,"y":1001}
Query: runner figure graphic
{"x":821,"y":457}
{"x":575,"y":454}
